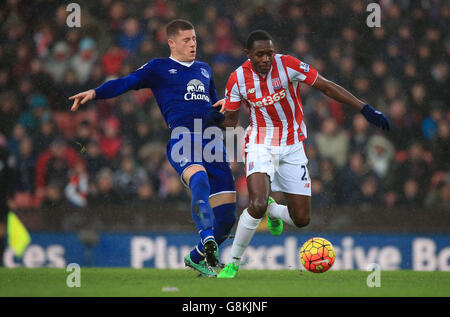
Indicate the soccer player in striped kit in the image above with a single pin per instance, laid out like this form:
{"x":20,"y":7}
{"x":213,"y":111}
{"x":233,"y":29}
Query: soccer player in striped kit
{"x":269,"y":84}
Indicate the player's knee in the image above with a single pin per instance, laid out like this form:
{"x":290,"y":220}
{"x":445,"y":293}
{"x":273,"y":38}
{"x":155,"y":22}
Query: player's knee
{"x":258,"y":207}
{"x":301,"y":220}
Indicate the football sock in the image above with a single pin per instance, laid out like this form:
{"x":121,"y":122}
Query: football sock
{"x":200,"y":209}
{"x":280,"y":212}
{"x":224,"y":219}
{"x":244,"y":233}
{"x":197,"y":254}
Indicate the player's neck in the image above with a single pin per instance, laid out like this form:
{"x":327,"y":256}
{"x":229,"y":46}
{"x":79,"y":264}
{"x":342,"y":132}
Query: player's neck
{"x":185,"y":63}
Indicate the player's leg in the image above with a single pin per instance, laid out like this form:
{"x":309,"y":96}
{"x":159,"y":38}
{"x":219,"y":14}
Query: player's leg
{"x":196,"y":178}
{"x":296,"y":213}
{"x":222,"y":199}
{"x":224,"y":210}
{"x":259,"y":187}
{"x":292,"y":178}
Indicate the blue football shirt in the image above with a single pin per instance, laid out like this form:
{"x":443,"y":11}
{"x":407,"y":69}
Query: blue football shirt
{"x":183,"y":91}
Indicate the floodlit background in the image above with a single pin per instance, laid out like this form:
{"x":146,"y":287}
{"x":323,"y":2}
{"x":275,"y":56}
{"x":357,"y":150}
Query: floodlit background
{"x":104,"y":168}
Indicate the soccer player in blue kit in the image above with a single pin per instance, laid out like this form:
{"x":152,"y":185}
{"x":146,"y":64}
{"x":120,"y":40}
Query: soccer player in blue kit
{"x":185,"y":92}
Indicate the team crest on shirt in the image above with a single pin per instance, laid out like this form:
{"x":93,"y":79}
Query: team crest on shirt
{"x":276,"y":83}
{"x":204,"y":72}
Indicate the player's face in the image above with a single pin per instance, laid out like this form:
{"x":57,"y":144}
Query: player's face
{"x":183,"y":46}
{"x":261,"y":56}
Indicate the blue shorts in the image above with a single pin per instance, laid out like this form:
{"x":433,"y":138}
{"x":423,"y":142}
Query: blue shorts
{"x":211,"y":155}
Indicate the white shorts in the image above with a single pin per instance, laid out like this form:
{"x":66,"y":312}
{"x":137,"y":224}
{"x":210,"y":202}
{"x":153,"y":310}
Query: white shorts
{"x":285,"y":165}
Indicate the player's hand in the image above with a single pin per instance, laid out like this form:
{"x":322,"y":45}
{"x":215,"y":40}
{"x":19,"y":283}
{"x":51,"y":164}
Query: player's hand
{"x":221,"y":104}
{"x":82,"y":98}
{"x":375,"y":117}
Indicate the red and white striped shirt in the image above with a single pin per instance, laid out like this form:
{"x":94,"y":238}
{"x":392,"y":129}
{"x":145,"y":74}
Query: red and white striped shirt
{"x":275,"y":107}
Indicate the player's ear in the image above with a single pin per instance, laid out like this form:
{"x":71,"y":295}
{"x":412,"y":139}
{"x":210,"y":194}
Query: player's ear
{"x":170,"y":42}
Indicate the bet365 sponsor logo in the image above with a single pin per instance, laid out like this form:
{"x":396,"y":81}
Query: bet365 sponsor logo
{"x":268,"y":100}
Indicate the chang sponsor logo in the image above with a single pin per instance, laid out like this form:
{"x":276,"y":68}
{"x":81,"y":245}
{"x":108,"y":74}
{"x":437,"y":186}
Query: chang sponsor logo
{"x":196,"y":91}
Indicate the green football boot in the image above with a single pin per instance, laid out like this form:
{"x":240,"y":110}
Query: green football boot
{"x":229,"y":271}
{"x":275,"y":225}
{"x":201,"y":267}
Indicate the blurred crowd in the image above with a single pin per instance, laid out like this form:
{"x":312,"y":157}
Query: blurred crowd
{"x":113,"y":151}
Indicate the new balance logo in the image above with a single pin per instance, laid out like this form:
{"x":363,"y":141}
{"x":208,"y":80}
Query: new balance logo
{"x":251,"y":91}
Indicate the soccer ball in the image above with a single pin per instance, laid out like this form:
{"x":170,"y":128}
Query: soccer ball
{"x":317,"y":255}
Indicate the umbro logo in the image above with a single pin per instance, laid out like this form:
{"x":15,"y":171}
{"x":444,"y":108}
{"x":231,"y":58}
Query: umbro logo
{"x":172,"y":71}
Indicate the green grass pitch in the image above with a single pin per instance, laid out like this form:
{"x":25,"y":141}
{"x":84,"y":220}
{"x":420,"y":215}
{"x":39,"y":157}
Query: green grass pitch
{"x":112,"y":282}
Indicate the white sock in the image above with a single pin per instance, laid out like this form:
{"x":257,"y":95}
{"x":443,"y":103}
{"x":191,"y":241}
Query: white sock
{"x":244,"y":233}
{"x":280,"y":212}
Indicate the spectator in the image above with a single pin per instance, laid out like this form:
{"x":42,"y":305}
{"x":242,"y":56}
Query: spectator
{"x":332,"y":142}
{"x":84,"y":134}
{"x":441,"y":147}
{"x":76,"y":190}
{"x":132,"y":37}
{"x":52,"y":167}
{"x":9,"y":112}
{"x":351,"y":180}
{"x":58,"y":63}
{"x":370,"y":192}
{"x":104,"y":192}
{"x":94,"y":158}
{"x":360,"y":134}
{"x":381,"y":159}
{"x":128,"y":178}
{"x":415,"y":167}
{"x":411,"y":195}
{"x":37,"y":114}
{"x":45,"y":136}
{"x":127,"y":115}
{"x":25,"y":164}
{"x":83,"y":61}
{"x":112,"y":60}
{"x":439,"y":198}
{"x":110,"y":139}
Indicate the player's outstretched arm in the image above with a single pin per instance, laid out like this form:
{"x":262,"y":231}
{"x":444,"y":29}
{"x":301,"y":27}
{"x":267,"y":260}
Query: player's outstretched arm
{"x":109,"y":89}
{"x":82,"y":98}
{"x":340,"y":94}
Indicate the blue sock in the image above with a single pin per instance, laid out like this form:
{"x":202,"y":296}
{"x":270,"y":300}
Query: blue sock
{"x":200,"y":209}
{"x":224,"y":219}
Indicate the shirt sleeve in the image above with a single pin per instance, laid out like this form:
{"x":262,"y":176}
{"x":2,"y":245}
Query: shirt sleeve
{"x":232,"y":95}
{"x":143,"y":77}
{"x":299,"y":71}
